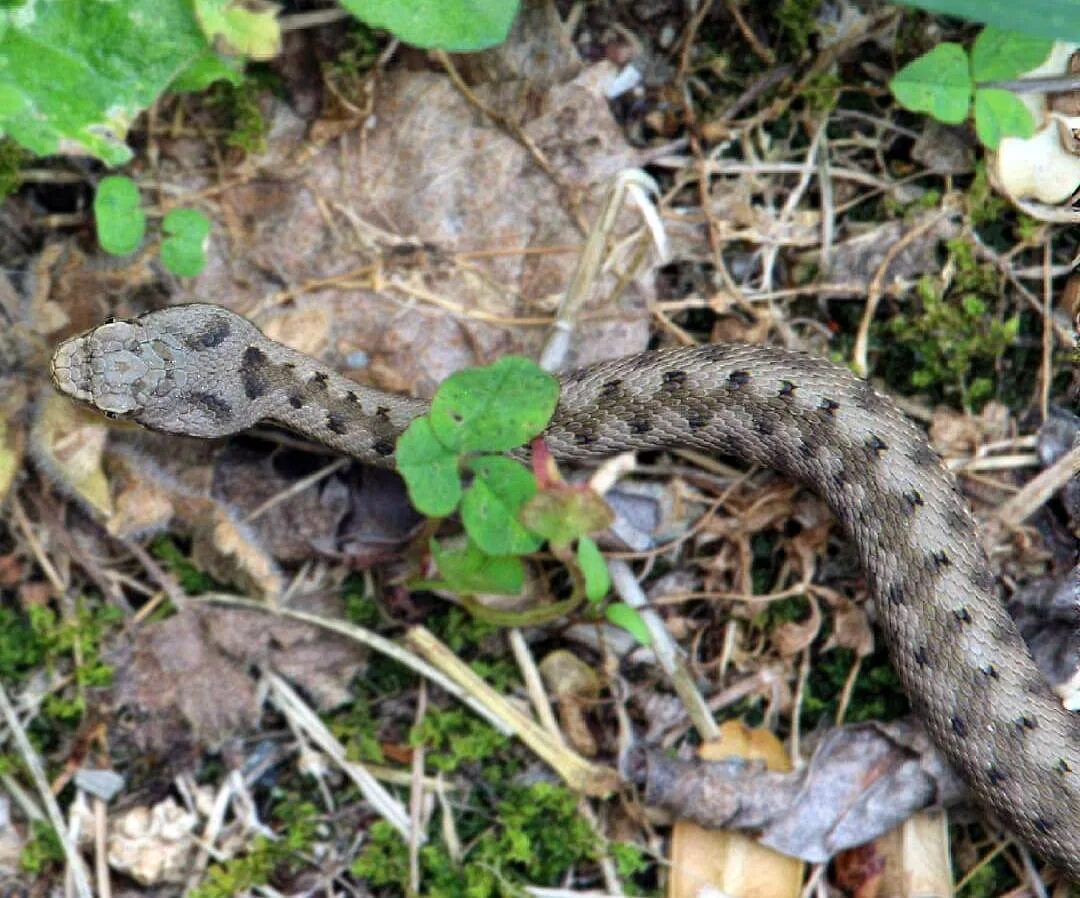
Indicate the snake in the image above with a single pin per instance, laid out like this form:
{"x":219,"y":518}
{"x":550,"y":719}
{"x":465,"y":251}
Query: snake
{"x":200,"y":370}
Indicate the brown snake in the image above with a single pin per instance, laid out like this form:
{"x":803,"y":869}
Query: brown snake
{"x":200,"y":370}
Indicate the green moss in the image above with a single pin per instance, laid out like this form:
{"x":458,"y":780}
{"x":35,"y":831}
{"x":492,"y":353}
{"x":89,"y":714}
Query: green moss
{"x":457,"y":736}
{"x":78,"y":640}
{"x":20,"y":648}
{"x":532,"y":837}
{"x":955,"y":342}
{"x":876,"y":695}
{"x":192,"y":580}
{"x":42,"y":850}
{"x":296,"y":827}
{"x":797,"y":19}
{"x":12,"y":159}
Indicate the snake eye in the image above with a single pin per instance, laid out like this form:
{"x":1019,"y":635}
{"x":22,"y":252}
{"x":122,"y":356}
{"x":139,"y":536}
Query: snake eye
{"x":114,"y":416}
{"x":111,"y":319}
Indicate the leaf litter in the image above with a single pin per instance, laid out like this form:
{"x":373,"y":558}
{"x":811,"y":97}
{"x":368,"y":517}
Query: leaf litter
{"x":427,"y":218}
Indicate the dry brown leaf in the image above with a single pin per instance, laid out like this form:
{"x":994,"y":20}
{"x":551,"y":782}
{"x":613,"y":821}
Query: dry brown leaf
{"x":861,"y":782}
{"x":725,"y":862}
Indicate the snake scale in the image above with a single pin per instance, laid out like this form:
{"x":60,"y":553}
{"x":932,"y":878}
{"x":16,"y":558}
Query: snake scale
{"x":200,"y":370}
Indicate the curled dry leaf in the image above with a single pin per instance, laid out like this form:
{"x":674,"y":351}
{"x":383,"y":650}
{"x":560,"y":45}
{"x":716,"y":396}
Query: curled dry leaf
{"x":861,"y":782}
{"x":576,"y":687}
{"x":726,"y":862}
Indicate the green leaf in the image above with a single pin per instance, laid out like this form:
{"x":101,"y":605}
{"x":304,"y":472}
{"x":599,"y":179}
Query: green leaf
{"x":118,"y":213}
{"x":469,"y":570}
{"x":74,"y":74}
{"x":937,"y":83}
{"x":627,"y":618}
{"x":254,"y":33}
{"x":564,"y":513}
{"x":496,"y":408}
{"x":997,"y":55}
{"x":207,"y":69}
{"x":490,"y":506}
{"x":1053,"y":19}
{"x":183,"y":251}
{"x":594,"y":569}
{"x":430,"y":470}
{"x":998,"y":114}
{"x":457,"y":25}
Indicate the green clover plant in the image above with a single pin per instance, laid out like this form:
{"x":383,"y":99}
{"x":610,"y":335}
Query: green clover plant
{"x":451,"y":461}
{"x":121,"y":226}
{"x":944,"y":82}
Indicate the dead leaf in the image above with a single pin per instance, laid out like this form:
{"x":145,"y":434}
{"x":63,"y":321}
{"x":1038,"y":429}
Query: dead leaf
{"x":726,"y":862}
{"x":861,"y":782}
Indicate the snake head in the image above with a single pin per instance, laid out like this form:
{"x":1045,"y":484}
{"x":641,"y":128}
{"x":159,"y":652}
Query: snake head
{"x":167,"y":370}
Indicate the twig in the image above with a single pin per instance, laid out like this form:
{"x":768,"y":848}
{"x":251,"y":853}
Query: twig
{"x":76,"y":868}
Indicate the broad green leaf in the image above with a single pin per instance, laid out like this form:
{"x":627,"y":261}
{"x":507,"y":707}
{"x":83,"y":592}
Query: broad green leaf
{"x":565,"y":513}
{"x":937,"y":83}
{"x":430,"y":470}
{"x":490,"y":506}
{"x":74,"y":74}
{"x":997,"y":55}
{"x":183,"y":251}
{"x":457,"y":25}
{"x":998,"y":114}
{"x":622,"y":615}
{"x":594,"y":569}
{"x":118,"y":213}
{"x":470,"y":571}
{"x":495,"y":408}
{"x":244,"y":30}
{"x":1054,"y":19}
{"x":207,"y":69}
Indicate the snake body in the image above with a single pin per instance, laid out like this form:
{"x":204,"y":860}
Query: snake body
{"x":200,"y":370}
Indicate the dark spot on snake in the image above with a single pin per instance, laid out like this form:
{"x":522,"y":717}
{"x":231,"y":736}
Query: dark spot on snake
{"x":610,"y":389}
{"x":1043,"y":825}
{"x":319,"y":380}
{"x":738,"y":379}
{"x":988,"y":670}
{"x":696,"y":420}
{"x":895,"y":594}
{"x":1062,"y":766}
{"x":352,"y":397}
{"x":787,"y":389}
{"x":215,"y":405}
{"x":983,"y":579}
{"x":765,"y":426}
{"x":829,"y":406}
{"x":673,"y":379}
{"x":921,"y":656}
{"x":1026,"y":723}
{"x":640,"y":426}
{"x":867,"y":398}
{"x":962,"y":615}
{"x":996,"y":775}
{"x":806,"y":448}
{"x":383,"y":413}
{"x":583,"y":439}
{"x":213,"y":336}
{"x":296,"y":401}
{"x":959,"y":727}
{"x":923,"y":455}
{"x":955,"y":520}
{"x":876,"y":445}
{"x":289,"y":366}
{"x":384,"y":447}
{"x":335,"y":423}
{"x":940,"y":559}
{"x":914,"y":499}
{"x":251,"y":373}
